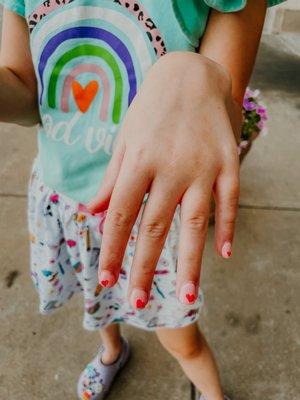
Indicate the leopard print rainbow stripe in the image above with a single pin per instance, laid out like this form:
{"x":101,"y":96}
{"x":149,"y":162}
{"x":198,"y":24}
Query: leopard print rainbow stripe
{"x":97,"y":40}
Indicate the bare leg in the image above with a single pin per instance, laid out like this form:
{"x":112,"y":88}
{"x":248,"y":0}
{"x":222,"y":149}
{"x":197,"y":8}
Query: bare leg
{"x":191,"y":350}
{"x":111,"y":340}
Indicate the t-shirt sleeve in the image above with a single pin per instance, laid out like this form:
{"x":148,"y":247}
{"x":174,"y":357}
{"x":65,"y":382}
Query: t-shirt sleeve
{"x":16,"y":6}
{"x":235,"y":5}
{"x":275,"y":2}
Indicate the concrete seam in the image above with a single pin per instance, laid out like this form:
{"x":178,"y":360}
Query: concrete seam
{"x":268,"y":208}
{"x":15,"y":195}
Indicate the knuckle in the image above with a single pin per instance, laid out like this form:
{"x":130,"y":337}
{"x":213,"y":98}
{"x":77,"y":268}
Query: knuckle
{"x":233,"y":203}
{"x":228,"y":223}
{"x":235,"y":189}
{"x":137,"y":156}
{"x":142,"y":275}
{"x":228,"y":215}
{"x":146,"y":271}
{"x":229,"y":201}
{"x":155,"y":230}
{"x":120,"y":219}
{"x":197,"y":223}
{"x":192,"y":262}
{"x":111,"y":262}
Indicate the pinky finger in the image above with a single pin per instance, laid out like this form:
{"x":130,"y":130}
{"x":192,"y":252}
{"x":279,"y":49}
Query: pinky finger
{"x":226,"y":196}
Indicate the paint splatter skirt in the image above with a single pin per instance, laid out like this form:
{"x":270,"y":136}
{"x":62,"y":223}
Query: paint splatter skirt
{"x":65,"y":244}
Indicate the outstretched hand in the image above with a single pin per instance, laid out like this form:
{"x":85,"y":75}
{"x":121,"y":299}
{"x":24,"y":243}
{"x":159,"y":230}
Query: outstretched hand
{"x":177,"y":144}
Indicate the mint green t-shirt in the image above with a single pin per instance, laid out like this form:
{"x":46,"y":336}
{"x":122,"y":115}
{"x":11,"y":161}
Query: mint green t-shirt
{"x":90,"y":57}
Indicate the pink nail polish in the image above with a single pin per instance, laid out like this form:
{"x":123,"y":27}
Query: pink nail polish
{"x":226,"y":250}
{"x":138,"y":298}
{"x":106,"y":279}
{"x":187,"y":293}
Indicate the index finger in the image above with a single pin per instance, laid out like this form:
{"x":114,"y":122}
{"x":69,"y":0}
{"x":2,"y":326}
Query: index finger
{"x":125,"y":203}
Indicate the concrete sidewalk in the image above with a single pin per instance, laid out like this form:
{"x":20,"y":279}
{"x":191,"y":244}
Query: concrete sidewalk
{"x":251,"y":316}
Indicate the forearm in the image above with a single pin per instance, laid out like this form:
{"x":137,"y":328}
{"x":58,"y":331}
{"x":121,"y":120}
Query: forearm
{"x":232,"y":40}
{"x":18,"y":103}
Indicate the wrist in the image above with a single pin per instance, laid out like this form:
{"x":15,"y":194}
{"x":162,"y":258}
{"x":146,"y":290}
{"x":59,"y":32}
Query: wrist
{"x":194,"y":71}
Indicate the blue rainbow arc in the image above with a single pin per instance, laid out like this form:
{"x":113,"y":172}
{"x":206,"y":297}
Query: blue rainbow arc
{"x":92,"y":33}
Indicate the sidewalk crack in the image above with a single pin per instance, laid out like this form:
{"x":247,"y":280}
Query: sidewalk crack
{"x":193,"y":392}
{"x":14,"y":195}
{"x":268,"y":208}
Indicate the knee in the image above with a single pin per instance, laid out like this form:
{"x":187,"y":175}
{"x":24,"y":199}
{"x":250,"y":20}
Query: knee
{"x":184,"y":349}
{"x":187,"y":351}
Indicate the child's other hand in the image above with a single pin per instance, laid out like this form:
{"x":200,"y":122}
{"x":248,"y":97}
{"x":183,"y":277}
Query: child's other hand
{"x":177,"y":143}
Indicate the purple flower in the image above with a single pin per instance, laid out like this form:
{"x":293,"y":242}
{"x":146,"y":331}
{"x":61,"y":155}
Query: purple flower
{"x":244,"y":144}
{"x":260,"y":125}
{"x":262,"y":112}
{"x":249,"y":93}
{"x":248,"y":105}
{"x":255,"y":114}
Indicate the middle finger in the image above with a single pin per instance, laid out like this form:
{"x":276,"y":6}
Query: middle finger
{"x":154,"y":227}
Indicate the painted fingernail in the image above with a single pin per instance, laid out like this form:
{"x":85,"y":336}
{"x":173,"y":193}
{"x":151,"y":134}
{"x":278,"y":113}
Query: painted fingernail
{"x":226,"y":250}
{"x":107,"y":279}
{"x":187,"y":293}
{"x":138,"y":298}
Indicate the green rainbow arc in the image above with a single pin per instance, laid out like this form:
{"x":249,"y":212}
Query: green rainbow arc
{"x":88,"y":50}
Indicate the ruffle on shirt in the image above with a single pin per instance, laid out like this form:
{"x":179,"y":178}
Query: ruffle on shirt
{"x":234,"y":5}
{"x":16,"y":6}
{"x":192,"y":15}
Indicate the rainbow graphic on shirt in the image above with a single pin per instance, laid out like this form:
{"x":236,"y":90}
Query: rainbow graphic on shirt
{"x":92,"y":55}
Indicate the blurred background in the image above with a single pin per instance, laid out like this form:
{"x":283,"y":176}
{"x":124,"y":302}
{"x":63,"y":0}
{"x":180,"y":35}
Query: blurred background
{"x":251,"y":315}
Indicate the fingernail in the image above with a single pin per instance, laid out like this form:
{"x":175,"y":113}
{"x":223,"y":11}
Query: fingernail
{"x":138,"y":298}
{"x":226,"y":250}
{"x":187,"y":293}
{"x":107,"y":279}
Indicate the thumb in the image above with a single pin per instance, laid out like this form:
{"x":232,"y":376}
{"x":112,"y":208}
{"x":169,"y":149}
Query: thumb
{"x":100,"y":202}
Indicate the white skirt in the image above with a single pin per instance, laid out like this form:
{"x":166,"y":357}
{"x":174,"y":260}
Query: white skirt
{"x":65,"y":246}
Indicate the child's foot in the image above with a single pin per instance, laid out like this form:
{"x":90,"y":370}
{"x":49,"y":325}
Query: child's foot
{"x":96,"y":380}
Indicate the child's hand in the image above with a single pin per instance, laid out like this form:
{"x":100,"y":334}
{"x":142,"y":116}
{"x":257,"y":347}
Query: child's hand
{"x":176,"y":143}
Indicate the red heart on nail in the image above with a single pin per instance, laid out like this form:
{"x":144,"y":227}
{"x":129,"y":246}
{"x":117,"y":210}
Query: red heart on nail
{"x":140,"y":303}
{"x":190,"y":297}
{"x":104,"y":283}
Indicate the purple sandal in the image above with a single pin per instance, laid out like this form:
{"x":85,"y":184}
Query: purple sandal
{"x":97,"y":378}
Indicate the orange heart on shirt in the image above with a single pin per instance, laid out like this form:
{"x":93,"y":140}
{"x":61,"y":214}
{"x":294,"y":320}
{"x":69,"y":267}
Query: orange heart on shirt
{"x":84,"y":96}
